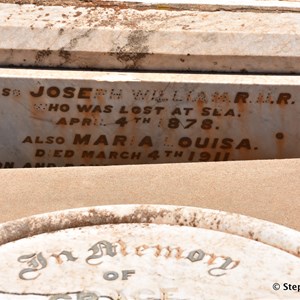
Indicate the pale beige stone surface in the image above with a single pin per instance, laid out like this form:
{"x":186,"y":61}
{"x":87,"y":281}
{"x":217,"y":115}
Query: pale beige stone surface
{"x":236,"y":38}
{"x":266,"y":190}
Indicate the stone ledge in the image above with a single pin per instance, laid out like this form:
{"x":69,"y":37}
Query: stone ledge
{"x":152,"y":39}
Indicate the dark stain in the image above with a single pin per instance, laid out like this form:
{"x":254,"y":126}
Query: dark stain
{"x":41,"y":55}
{"x":66,"y":55}
{"x":74,"y":41}
{"x":32,"y":226}
{"x":77,"y":14}
{"x":279,"y":135}
{"x":135,"y":50}
{"x":251,"y":234}
{"x":48,"y":223}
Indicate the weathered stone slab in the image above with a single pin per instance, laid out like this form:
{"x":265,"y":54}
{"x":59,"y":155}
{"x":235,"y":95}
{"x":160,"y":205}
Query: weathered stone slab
{"x":257,"y":36}
{"x":59,"y":118}
{"x":147,"y":252}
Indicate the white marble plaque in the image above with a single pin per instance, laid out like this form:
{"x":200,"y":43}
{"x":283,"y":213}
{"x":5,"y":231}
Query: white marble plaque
{"x":150,"y":258}
{"x":62,"y":118}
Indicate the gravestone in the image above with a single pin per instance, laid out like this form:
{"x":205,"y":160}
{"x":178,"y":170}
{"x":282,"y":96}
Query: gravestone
{"x":138,"y":252}
{"x":171,"y":110}
{"x":83,"y":118}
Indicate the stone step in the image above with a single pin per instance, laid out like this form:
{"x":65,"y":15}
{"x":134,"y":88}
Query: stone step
{"x":219,"y":36}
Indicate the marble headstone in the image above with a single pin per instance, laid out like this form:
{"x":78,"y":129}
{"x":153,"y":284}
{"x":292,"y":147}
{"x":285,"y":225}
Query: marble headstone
{"x":161,"y":253}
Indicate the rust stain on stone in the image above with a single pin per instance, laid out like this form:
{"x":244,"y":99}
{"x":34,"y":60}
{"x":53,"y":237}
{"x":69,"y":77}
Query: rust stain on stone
{"x":116,"y":5}
{"x":51,"y":223}
{"x":58,"y":259}
{"x":123,"y":247}
{"x":139,"y":248}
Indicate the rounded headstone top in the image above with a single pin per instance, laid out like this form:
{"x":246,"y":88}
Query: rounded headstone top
{"x":148,"y":252}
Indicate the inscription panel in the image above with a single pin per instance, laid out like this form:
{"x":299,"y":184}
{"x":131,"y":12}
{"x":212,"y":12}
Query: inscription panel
{"x":59,"y":118}
{"x":145,"y":262}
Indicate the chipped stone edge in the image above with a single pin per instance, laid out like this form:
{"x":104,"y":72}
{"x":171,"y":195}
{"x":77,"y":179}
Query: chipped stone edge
{"x":276,"y":6}
{"x":274,"y":235}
